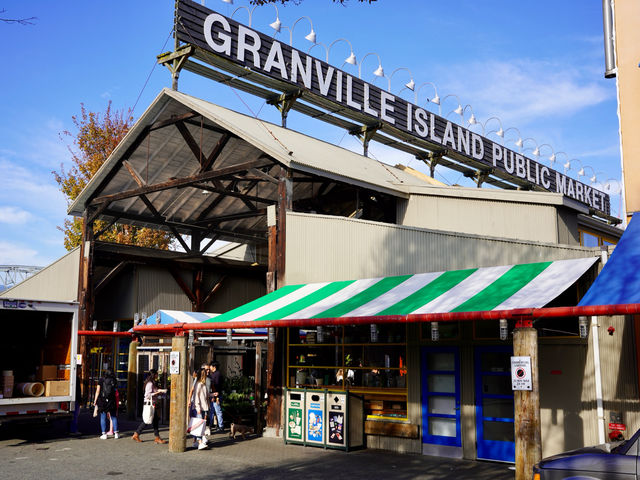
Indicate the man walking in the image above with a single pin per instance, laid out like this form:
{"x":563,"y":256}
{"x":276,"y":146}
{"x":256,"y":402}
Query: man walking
{"x":216,"y":389}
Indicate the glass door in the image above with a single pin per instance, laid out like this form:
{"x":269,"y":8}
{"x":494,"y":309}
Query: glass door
{"x":494,"y":404}
{"x":441,"y":396}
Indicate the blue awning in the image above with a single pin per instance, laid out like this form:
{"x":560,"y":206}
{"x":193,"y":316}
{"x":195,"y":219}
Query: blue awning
{"x":169,"y":317}
{"x":619,"y":280}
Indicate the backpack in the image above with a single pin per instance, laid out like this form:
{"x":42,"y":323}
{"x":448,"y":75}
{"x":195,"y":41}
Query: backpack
{"x":108,"y":388}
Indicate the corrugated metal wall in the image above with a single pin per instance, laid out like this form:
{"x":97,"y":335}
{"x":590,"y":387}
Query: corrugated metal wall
{"x":524,"y":221}
{"x":57,"y":283}
{"x":157,"y":290}
{"x":235,"y":291}
{"x":324,"y":248}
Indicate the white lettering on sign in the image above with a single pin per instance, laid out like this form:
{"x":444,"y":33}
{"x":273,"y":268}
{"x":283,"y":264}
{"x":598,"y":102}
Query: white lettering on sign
{"x":240,"y":44}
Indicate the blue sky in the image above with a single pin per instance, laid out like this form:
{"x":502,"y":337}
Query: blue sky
{"x":538,"y":66}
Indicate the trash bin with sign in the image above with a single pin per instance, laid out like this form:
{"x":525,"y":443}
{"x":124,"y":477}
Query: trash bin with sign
{"x":315,"y":417}
{"x":294,"y":415}
{"x":345,"y":420}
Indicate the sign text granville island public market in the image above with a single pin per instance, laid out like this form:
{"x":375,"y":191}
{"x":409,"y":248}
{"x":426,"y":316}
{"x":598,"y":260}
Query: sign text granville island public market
{"x":242,"y":45}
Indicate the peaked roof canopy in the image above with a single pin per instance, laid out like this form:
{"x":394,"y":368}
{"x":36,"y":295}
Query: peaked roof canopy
{"x":189,"y":164}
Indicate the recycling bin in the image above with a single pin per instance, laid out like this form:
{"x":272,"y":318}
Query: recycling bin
{"x":345,"y":420}
{"x":294,"y":415}
{"x":315,"y":417}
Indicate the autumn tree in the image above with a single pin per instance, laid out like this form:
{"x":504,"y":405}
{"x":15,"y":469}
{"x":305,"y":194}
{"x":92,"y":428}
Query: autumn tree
{"x":96,"y":137}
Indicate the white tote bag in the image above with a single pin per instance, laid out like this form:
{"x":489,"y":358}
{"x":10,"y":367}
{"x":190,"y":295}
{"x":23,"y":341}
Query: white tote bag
{"x":196,"y":426}
{"x":147,"y":413}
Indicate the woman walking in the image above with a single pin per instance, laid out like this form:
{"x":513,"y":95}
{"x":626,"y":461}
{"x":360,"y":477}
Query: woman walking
{"x":201,"y":405}
{"x":151,"y":392}
{"x":107,"y":403}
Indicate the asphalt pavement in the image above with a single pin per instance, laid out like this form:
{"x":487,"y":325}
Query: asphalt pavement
{"x":49,"y":453}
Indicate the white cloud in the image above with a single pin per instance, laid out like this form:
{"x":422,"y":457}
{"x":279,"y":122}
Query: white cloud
{"x":522,"y":91}
{"x":16,"y":254}
{"x":14,"y":215}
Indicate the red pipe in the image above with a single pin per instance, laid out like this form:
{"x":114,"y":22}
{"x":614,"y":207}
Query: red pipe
{"x":518,"y":313}
{"x":99,"y":333}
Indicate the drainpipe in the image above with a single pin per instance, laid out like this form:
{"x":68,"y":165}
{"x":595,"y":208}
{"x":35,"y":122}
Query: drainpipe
{"x":596,"y":365}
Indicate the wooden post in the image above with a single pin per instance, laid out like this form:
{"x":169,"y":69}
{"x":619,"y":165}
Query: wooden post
{"x":258,"y":388}
{"x":527,"y":404}
{"x":85,"y":294}
{"x":178,"y":407}
{"x":132,"y":380}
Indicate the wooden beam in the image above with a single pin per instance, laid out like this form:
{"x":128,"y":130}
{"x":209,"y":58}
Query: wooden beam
{"x":224,"y":191}
{"x":136,"y":176}
{"x":110,"y":276}
{"x":211,"y":242}
{"x":159,"y":217}
{"x":183,"y":182}
{"x":213,"y":291}
{"x":188,"y":138}
{"x":173,"y":120}
{"x":183,"y":286}
{"x":263,"y":175}
{"x":215,"y":153}
{"x":231,"y":217}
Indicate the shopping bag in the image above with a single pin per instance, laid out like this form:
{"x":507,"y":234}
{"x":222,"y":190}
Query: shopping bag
{"x":196,"y":426}
{"x":95,"y":410}
{"x":147,"y":413}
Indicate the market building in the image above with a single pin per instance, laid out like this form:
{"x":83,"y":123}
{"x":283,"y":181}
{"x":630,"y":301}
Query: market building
{"x":351,"y":235}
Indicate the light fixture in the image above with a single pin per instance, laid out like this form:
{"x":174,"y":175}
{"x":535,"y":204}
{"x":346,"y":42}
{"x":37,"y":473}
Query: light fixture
{"x":411,"y":85}
{"x":457,"y":110}
{"x":277,"y":25}
{"x":230,"y":2}
{"x":524,"y":141}
{"x":583,"y":327}
{"x":379,"y":72}
{"x":311,"y":36}
{"x":518,"y":142}
{"x":536,"y":152}
{"x":351,"y":59}
{"x":435,"y":99}
{"x":567,"y":166}
{"x":504,"y":329}
{"x":435,"y":332}
{"x":472,"y":119}
{"x":553,"y":158}
{"x":499,"y":132}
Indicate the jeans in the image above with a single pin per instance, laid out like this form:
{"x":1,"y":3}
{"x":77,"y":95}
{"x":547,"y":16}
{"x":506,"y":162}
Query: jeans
{"x":103,"y":422}
{"x":218,"y":409}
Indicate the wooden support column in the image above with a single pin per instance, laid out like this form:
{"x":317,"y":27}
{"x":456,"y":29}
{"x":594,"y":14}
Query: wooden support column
{"x":85,"y":292}
{"x":132,"y":380}
{"x":527,"y":404}
{"x":178,"y":406}
{"x":258,"y":388}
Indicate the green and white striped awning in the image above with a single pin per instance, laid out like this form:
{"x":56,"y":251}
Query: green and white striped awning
{"x":531,"y":285}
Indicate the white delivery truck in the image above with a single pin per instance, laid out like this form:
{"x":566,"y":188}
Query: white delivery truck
{"x":38,"y":347}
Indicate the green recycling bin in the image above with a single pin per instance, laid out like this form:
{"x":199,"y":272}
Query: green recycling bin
{"x":294,"y":415}
{"x":345,"y":420}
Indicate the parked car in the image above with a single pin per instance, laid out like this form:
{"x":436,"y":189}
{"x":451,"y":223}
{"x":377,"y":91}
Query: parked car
{"x":610,"y":461}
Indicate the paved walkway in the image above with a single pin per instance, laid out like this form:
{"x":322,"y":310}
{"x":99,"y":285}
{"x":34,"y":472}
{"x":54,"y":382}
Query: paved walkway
{"x":45,"y":453}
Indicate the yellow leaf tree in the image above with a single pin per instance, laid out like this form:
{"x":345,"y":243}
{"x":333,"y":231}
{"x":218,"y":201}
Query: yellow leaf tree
{"x":96,"y":137}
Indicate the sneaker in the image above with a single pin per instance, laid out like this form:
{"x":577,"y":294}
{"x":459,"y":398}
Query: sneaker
{"x":103,"y":436}
{"x":220,"y":430}
{"x":116,"y":435}
{"x":207,"y":431}
{"x":202,"y":446}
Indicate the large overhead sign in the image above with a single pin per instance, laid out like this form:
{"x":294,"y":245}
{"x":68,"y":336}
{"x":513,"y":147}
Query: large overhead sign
{"x":242,"y":45}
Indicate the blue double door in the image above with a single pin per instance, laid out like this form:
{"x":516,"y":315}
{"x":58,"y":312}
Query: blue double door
{"x":493,"y":400}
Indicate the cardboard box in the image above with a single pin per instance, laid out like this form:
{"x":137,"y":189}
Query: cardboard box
{"x":56,"y":388}
{"x":46,"y":372}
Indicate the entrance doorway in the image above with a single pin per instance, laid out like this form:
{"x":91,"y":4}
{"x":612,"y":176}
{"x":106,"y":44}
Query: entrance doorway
{"x":158,"y":360}
{"x":495,"y":437}
{"x":441,"y":401}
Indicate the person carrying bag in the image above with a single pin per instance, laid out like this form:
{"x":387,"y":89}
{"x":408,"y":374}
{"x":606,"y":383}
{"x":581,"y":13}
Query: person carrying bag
{"x":149,"y":413}
{"x":198,"y":423}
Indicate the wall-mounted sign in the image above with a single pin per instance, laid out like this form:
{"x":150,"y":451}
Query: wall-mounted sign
{"x":521,"y":373}
{"x":230,"y":40}
{"x":174,"y":363}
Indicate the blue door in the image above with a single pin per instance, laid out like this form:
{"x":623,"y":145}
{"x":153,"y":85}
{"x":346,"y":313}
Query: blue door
{"x":441,"y":396}
{"x":494,"y":404}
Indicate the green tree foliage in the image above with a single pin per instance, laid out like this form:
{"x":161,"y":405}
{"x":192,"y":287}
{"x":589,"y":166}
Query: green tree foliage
{"x":96,"y":137}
